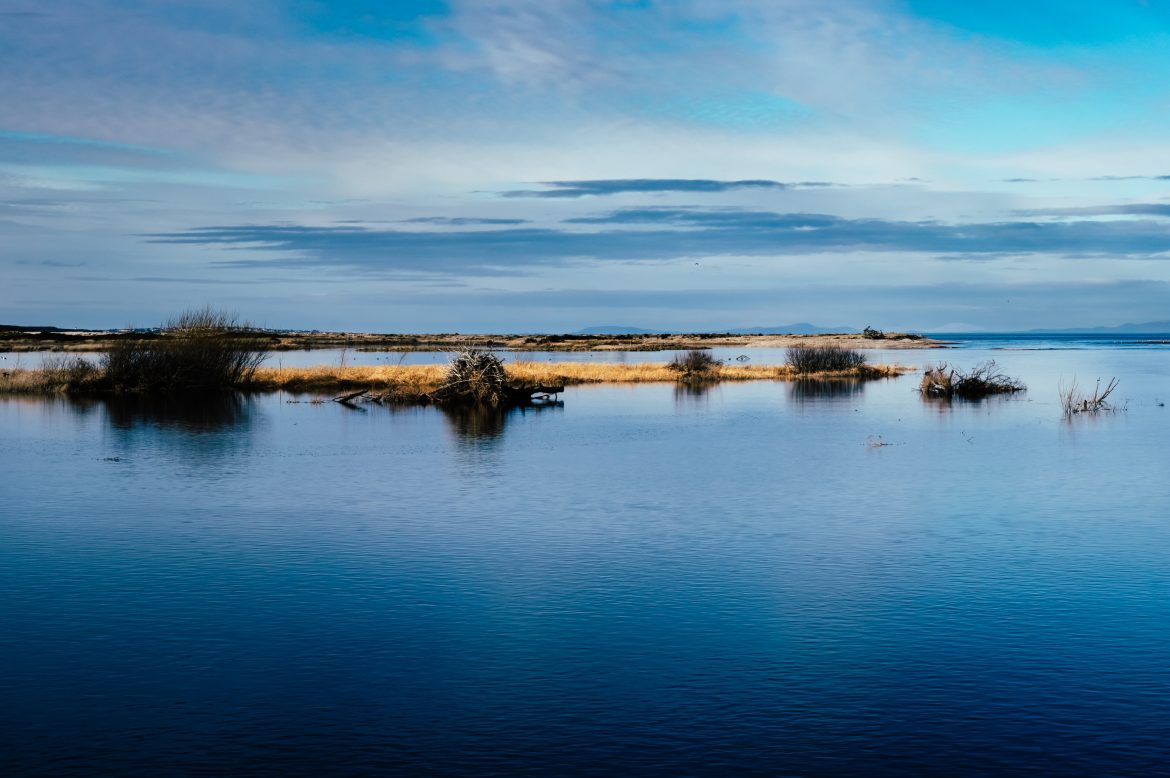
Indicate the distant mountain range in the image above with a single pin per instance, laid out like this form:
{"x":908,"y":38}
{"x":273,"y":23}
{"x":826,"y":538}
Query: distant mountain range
{"x":1143,"y":328}
{"x":801,"y":328}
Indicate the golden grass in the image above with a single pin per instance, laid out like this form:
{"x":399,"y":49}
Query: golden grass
{"x":414,"y":380}
{"x":418,"y":379}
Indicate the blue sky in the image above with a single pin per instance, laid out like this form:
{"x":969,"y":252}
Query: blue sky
{"x":547,"y":165}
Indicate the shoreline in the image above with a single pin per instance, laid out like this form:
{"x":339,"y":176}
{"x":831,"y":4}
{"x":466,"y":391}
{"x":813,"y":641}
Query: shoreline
{"x":286,"y":340}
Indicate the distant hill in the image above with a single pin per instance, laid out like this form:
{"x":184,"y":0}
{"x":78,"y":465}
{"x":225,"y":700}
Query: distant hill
{"x":29,"y":328}
{"x":616,"y":330}
{"x":1142,"y":328}
{"x":801,"y":328}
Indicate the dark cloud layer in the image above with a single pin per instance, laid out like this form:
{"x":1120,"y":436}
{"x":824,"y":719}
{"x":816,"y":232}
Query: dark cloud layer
{"x":612,"y":186}
{"x":461,"y":221}
{"x":662,"y":234}
{"x":1128,"y":209}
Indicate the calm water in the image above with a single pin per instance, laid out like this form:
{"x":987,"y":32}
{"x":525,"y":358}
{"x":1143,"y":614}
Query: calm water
{"x":761,"y":579}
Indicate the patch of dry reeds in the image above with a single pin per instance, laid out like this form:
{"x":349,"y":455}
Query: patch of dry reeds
{"x":825,"y":359}
{"x":56,"y":374}
{"x":1073,"y":400}
{"x":981,"y":381}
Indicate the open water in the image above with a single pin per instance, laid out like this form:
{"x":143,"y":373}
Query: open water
{"x":764,"y":578}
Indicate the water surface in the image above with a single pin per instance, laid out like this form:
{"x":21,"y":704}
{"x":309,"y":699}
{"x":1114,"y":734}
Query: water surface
{"x":761,"y":578}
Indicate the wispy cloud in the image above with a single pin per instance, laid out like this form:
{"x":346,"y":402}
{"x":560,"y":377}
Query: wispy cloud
{"x":614,"y":186}
{"x":461,"y":221}
{"x":664,"y":234}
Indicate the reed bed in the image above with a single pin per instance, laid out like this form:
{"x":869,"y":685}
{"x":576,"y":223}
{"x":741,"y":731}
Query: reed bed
{"x":416,"y":380}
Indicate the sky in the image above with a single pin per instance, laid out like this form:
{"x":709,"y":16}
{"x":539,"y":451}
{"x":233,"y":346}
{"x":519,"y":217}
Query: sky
{"x":550,"y":165}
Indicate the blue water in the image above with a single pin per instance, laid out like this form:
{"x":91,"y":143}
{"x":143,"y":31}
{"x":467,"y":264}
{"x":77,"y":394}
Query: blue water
{"x":762,"y":578}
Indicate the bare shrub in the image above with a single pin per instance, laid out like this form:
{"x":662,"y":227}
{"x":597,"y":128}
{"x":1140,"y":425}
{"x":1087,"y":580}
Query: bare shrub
{"x":1073,"y":400}
{"x":475,"y":376}
{"x":201,"y":349}
{"x":696,"y":363}
{"x":824,"y":359}
{"x":981,"y":381}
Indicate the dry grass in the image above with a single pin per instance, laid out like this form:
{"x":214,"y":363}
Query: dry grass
{"x":56,"y":374}
{"x":415,"y":380}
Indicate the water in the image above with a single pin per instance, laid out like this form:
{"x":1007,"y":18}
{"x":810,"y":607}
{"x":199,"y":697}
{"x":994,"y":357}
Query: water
{"x":758,"y":579}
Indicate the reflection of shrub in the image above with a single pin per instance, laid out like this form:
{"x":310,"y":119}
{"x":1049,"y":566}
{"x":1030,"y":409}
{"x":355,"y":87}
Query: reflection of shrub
{"x":475,"y":376}
{"x":982,"y":380}
{"x":200,"y":349}
{"x":694,"y":363}
{"x":824,"y":359}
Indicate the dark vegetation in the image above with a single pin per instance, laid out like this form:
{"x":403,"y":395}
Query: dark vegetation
{"x":825,"y":359}
{"x":197,"y":351}
{"x":981,"y":381}
{"x":694,"y":364}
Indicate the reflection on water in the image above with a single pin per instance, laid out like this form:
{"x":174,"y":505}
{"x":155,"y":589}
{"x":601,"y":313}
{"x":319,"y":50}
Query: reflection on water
{"x":690,"y":391}
{"x":193,"y":414}
{"x":806,"y":389}
{"x":482,"y":423}
{"x":812,"y":579}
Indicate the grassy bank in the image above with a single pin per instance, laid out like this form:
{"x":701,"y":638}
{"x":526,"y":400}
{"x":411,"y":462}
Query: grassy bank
{"x":414,"y":380}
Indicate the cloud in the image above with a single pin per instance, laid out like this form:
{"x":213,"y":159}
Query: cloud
{"x":613,"y":186}
{"x":1127,"y":209}
{"x":1093,"y":178}
{"x":1129,"y":178}
{"x":663,"y":234}
{"x":461,"y":221}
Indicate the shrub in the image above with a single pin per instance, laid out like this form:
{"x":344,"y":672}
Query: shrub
{"x":824,"y":359}
{"x":475,"y":376}
{"x":872,"y":334}
{"x":982,"y":380}
{"x":1073,"y":400}
{"x":199,"y":350}
{"x":694,"y":363}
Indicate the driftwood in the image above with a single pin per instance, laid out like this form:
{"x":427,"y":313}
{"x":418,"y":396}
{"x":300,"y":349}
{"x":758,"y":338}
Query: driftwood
{"x":344,"y":398}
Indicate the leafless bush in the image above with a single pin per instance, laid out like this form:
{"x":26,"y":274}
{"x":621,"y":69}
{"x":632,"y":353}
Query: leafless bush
{"x":982,"y":380}
{"x":824,"y":359}
{"x":1073,"y":400}
{"x":696,"y":363}
{"x":475,"y":376}
{"x":201,"y":349}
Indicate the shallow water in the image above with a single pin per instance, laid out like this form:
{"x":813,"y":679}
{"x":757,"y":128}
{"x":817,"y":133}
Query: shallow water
{"x":757,"y":579}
